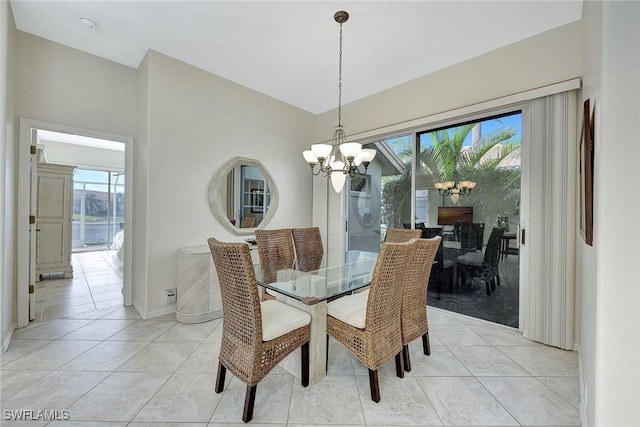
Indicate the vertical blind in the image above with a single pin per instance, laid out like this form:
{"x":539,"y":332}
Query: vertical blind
{"x":549,"y":165}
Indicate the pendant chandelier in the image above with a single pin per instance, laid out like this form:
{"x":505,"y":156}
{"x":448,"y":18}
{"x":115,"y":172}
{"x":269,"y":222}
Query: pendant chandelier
{"x":454,"y":189}
{"x":340,"y":158}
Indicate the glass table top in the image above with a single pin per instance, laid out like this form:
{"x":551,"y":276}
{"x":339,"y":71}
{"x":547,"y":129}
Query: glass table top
{"x":312,"y":280}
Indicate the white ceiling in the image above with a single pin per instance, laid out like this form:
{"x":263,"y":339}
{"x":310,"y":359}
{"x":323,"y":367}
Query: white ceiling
{"x":289,"y":50}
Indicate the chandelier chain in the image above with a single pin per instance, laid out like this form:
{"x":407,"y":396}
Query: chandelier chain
{"x":340,"y":80}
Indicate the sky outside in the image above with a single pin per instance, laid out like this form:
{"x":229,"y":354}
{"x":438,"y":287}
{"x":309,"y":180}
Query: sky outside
{"x":98,"y":180}
{"x":403,"y":144}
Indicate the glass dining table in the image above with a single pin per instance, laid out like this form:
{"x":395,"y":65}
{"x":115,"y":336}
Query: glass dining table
{"x":308,"y":284}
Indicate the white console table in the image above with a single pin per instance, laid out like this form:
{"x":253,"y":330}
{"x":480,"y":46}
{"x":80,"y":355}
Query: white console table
{"x":198,"y":290}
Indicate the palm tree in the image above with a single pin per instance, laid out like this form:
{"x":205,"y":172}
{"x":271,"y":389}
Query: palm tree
{"x":448,"y":159}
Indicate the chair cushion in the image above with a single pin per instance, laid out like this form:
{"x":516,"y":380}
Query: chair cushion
{"x":271,"y":292}
{"x":364,"y":293}
{"x":350,"y":309}
{"x":279,"y":318}
{"x":472,"y":258}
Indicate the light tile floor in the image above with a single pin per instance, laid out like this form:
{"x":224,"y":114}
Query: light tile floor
{"x":111,"y":368}
{"x":96,"y":284}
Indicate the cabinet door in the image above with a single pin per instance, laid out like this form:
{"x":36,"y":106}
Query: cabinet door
{"x":53,"y":242}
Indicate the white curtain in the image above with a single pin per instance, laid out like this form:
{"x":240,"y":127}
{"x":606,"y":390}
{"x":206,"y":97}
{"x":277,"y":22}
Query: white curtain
{"x":550,"y":154}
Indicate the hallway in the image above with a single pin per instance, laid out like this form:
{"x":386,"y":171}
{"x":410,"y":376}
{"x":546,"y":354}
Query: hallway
{"x":96,"y":284}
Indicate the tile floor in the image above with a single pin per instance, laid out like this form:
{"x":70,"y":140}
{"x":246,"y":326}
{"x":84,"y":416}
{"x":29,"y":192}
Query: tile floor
{"x":110,"y":368}
{"x":96,"y":284}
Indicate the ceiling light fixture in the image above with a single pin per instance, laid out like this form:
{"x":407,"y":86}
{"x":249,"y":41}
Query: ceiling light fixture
{"x":87,"y":22}
{"x":340,"y":158}
{"x":455,"y":189}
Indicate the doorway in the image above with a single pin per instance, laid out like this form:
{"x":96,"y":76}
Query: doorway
{"x":81,"y":142}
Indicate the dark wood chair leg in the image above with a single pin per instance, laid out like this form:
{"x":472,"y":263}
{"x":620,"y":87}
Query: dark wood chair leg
{"x":406,"y":358}
{"x":426,"y":345}
{"x":399,"y":367}
{"x":451,"y":281}
{"x":373,"y":384}
{"x":249,"y":400}
{"x":457,"y":282}
{"x":305,"y":364}
{"x":222,"y":372}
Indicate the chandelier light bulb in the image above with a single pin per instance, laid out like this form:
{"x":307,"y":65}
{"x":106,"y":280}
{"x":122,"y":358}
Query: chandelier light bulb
{"x":350,"y":149}
{"x":321,"y":151}
{"x":311,"y":158}
{"x":337,"y":181}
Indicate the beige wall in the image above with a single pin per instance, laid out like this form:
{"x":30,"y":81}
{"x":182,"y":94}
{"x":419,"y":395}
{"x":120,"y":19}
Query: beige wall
{"x":196,"y":122}
{"x":8,"y":164}
{"x":141,"y":238}
{"x":61,"y":85}
{"x":610,"y":334}
{"x":586,"y":267}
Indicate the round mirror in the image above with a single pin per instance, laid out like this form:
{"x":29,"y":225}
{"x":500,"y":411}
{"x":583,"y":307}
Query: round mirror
{"x":243,"y":196}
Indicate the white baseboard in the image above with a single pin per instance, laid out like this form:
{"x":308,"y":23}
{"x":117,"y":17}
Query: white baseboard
{"x":155,"y":313}
{"x":7,"y":339}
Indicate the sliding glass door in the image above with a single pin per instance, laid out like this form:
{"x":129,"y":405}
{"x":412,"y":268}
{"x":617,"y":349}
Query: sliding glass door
{"x":468,"y":192}
{"x":466,"y":189}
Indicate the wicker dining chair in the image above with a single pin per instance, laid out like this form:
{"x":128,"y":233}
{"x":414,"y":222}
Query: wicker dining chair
{"x":370,"y":326}
{"x":309,"y":249}
{"x":275,"y":248}
{"x":399,"y":235}
{"x":414,"y":297}
{"x":482,"y":265}
{"x":256,"y":335}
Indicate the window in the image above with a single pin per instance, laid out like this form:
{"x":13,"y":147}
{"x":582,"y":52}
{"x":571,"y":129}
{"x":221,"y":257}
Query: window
{"x":98,"y":208}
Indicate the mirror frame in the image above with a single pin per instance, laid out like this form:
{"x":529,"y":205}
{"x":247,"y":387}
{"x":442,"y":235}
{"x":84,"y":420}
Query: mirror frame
{"x":219,"y":180}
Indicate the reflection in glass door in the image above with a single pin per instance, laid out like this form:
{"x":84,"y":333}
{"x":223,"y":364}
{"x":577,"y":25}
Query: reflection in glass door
{"x":477,"y":267}
{"x":382,"y":198}
{"x":98,"y":208}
